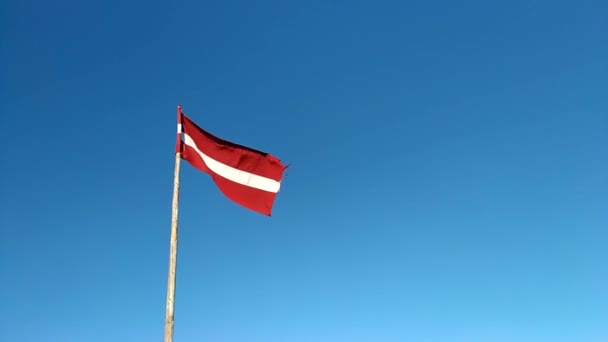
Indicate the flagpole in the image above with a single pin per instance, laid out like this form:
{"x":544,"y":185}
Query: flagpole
{"x":170,"y":306}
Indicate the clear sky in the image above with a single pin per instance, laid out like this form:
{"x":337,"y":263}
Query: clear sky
{"x":449,"y":177}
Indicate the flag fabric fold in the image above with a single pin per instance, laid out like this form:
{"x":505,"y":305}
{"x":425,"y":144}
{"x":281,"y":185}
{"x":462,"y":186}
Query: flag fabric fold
{"x":248,"y":177}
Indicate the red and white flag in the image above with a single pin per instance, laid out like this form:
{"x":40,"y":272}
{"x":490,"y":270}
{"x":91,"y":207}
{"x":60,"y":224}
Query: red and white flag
{"x":246,"y":176}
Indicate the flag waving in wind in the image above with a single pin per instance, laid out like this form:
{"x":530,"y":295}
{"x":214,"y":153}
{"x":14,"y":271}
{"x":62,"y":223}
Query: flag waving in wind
{"x":246,"y":176}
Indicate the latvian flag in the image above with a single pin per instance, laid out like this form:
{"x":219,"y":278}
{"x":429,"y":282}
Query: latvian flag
{"x":246,"y":176}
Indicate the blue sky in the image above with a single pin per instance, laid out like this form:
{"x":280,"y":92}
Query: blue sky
{"x":448,"y":180}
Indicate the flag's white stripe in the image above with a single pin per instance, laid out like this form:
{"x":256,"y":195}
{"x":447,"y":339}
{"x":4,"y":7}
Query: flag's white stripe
{"x":179,"y":128}
{"x":233,"y":174}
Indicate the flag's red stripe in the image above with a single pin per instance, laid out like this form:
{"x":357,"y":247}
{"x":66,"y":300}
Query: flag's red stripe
{"x":257,"y":200}
{"x":231,"y":154}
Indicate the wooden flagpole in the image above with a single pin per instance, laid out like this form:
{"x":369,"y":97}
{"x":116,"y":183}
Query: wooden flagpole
{"x":170,"y":306}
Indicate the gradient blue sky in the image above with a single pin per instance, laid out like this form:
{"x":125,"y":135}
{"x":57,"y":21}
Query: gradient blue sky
{"x":449,"y":172}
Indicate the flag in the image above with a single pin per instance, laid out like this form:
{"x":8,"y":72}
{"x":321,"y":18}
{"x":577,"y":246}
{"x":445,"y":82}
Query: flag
{"x":246,"y":176}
